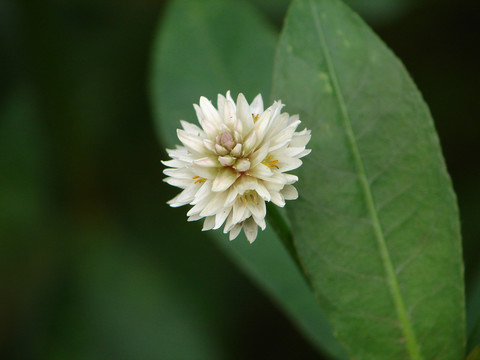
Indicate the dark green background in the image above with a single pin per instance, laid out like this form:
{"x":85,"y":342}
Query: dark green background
{"x":94,"y":264}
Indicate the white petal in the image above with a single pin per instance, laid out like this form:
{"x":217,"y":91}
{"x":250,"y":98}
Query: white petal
{"x":204,"y":172}
{"x":193,"y":143}
{"x":300,"y":139}
{"x":225,"y":178}
{"x":207,"y":161}
{"x":293,"y":118}
{"x":242,"y":165}
{"x":240,"y":211}
{"x":290,"y":152}
{"x":261,"y":171}
{"x":221,"y":103}
{"x":209,"y":145}
{"x":260,"y":222}
{"x":289,"y":192}
{"x":237,"y":150}
{"x":245,"y":183}
{"x":235,"y":231}
{"x":209,"y":111}
{"x":229,"y":97}
{"x":200,"y":206}
{"x":250,"y":228}
{"x":220,"y":150}
{"x":231,"y":196}
{"x":181,"y":183}
{"x":278,"y":124}
{"x":208,"y":223}
{"x":180,"y":153}
{"x":304,"y":153}
{"x":282,"y":138}
{"x":221,"y":216}
{"x":276,"y":108}
{"x":187,"y":195}
{"x":215,"y":204}
{"x":192,"y":129}
{"x":194,"y":218}
{"x":243,"y":111}
{"x":262,"y":191}
{"x":257,"y":105}
{"x":278,"y":199}
{"x":208,"y":126}
{"x":278,"y":178}
{"x":262,"y":125}
{"x":229,"y":224}
{"x":199,"y":113}
{"x":259,"y":155}
{"x":258,"y":210}
{"x":290,"y":179}
{"x":174,"y":163}
{"x":174,"y":203}
{"x":229,"y":114}
{"x":275,"y":186}
{"x":181,"y":173}
{"x":204,"y":191}
{"x":285,"y":165}
{"x":226,"y":160}
{"x":249,"y":143}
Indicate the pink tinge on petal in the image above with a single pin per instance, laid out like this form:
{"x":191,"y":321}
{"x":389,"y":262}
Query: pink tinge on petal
{"x":207,"y":162}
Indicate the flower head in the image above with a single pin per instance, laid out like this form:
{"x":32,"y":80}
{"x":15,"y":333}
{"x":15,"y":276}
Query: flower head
{"x":236,"y":162}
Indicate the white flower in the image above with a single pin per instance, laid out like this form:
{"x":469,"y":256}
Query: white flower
{"x":235,"y":162}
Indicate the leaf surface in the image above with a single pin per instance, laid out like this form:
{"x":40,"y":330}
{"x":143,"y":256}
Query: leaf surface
{"x":473,"y":312}
{"x":376,"y":225}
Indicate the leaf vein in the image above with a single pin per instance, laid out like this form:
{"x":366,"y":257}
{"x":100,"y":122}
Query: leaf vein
{"x":392,"y":281}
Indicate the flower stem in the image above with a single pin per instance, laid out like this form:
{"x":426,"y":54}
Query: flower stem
{"x":280,"y":226}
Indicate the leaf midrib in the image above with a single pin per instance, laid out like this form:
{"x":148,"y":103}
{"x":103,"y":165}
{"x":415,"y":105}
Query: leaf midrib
{"x":392,"y":281}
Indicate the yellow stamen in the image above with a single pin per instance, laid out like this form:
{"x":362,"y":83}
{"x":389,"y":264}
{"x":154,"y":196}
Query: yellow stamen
{"x":255,"y":118}
{"x":198,"y":179}
{"x":248,"y":195}
{"x":270,"y":163}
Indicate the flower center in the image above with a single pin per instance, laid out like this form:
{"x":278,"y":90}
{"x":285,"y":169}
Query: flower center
{"x":226,"y":140}
{"x":229,"y":152}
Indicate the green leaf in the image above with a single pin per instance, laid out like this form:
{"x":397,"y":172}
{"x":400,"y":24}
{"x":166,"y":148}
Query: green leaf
{"x":206,"y":48}
{"x":376,"y":225}
{"x":135,"y":308}
{"x":473,"y":312}
{"x":475,"y":354}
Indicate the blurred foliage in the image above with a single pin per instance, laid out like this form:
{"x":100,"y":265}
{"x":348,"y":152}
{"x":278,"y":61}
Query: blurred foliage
{"x":87,"y":271}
